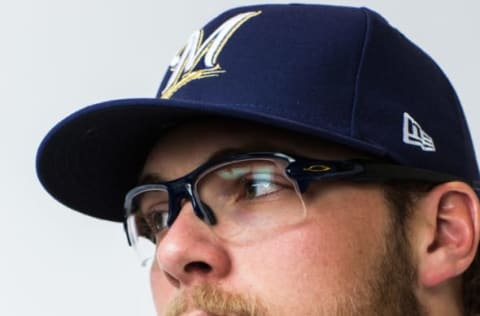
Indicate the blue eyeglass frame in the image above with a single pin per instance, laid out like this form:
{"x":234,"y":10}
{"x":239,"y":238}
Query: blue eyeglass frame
{"x":299,"y":169}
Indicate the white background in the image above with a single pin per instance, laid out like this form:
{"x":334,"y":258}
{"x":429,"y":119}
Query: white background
{"x":57,"y":56}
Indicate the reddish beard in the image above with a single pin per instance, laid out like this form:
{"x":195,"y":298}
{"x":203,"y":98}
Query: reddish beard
{"x":215,"y":301}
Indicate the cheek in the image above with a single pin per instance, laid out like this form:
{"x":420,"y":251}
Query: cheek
{"x":308,"y":259}
{"x":162,"y":291}
{"x":329,"y":255}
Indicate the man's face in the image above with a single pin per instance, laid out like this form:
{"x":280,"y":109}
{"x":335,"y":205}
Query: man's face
{"x":345,"y":258}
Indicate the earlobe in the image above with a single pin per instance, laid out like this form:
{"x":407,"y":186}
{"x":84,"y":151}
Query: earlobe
{"x":451,"y":236}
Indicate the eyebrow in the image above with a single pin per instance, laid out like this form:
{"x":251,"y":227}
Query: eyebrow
{"x":150,"y":178}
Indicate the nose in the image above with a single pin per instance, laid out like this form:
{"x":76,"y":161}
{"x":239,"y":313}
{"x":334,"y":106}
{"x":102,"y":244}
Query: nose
{"x":190,"y":253}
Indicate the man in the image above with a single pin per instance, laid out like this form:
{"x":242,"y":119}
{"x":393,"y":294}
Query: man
{"x":298,"y":160}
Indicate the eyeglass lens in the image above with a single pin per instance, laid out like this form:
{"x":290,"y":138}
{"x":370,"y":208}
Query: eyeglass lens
{"x":249,"y":199}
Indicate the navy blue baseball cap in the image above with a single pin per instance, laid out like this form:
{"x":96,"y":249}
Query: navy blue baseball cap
{"x":338,"y":73}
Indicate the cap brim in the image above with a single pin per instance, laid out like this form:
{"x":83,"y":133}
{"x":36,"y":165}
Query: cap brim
{"x":92,"y":158}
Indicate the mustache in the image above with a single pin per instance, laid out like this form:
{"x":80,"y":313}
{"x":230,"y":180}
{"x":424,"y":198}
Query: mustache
{"x":215,"y":301}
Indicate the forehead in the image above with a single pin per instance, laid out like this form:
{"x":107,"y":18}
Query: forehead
{"x":192,"y":143}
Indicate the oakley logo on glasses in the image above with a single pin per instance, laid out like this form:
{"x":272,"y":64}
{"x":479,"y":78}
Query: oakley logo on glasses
{"x":317,"y":168}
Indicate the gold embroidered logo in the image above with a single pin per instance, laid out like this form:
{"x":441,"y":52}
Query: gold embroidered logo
{"x":317,"y":168}
{"x":185,"y":62}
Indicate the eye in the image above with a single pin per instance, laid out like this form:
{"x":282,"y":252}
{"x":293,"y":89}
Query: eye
{"x":152,"y":225}
{"x":257,"y":188}
{"x":157,"y":221}
{"x":252,"y":181}
{"x":151,"y":213}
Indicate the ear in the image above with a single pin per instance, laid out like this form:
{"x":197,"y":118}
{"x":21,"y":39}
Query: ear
{"x":447,"y":230}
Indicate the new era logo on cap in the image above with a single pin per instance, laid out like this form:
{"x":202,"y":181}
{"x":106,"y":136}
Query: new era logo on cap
{"x":413,"y":134}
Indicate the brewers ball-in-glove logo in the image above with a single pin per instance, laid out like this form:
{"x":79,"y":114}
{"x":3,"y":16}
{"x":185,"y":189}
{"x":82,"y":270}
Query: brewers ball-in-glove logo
{"x":184,"y":64}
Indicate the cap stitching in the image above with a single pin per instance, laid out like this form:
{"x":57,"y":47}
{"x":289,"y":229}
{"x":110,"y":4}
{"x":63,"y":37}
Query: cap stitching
{"x":353,"y":127}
